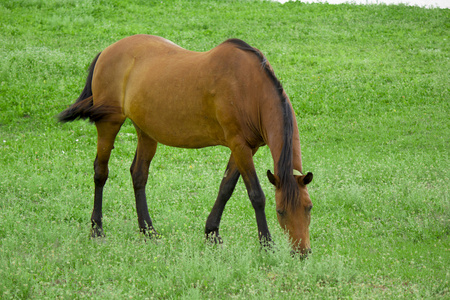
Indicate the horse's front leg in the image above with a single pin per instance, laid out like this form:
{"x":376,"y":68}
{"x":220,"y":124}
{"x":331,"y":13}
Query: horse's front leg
{"x":145,"y":151}
{"x":243,"y":156}
{"x":226,"y":189}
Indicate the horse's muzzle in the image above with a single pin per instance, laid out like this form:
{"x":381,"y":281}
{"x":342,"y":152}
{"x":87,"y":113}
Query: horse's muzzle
{"x":303,"y":253}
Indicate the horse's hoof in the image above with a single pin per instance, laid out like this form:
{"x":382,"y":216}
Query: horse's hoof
{"x":268,"y":245}
{"x":97,"y":232}
{"x":151,"y":234}
{"x":214,"y":238}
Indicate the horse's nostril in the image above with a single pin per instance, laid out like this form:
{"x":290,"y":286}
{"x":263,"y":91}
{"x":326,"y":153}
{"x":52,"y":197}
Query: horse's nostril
{"x":303,"y":253}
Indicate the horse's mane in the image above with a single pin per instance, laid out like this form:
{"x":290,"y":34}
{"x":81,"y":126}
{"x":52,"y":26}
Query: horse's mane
{"x":288,"y":183}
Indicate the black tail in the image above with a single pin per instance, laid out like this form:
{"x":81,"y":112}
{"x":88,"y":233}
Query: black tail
{"x":84,"y":107}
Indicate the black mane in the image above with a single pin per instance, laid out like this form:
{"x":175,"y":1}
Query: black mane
{"x":288,"y":183}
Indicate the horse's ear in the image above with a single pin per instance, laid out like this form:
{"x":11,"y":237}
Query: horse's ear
{"x":272,"y":178}
{"x":308,"y":178}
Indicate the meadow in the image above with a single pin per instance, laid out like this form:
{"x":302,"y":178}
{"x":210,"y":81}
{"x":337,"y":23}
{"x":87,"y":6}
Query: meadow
{"x":370,"y":88}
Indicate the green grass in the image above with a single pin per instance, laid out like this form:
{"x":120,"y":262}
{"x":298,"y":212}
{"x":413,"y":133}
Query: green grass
{"x":370,"y":86}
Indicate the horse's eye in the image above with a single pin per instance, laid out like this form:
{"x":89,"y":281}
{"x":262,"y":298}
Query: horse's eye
{"x":308,"y":208}
{"x":281,"y":212}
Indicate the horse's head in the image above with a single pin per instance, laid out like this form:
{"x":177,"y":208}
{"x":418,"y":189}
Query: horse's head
{"x":295,"y":216}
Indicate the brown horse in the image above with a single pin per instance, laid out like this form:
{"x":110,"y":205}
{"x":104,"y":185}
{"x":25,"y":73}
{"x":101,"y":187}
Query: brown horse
{"x":227,"y":96}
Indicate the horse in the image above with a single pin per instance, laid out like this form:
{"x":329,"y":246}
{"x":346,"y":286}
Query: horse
{"x":227,"y":96}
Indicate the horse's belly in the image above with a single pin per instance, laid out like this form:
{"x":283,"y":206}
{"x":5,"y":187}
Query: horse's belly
{"x":180,"y":130}
{"x":183,"y":138}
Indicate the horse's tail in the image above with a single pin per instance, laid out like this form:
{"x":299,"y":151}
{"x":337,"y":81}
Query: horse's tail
{"x":84,"y":107}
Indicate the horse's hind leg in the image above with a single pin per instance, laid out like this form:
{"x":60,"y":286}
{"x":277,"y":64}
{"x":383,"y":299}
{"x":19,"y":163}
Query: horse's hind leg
{"x":106,"y":132}
{"x":145,"y":151}
{"x":227,"y":186}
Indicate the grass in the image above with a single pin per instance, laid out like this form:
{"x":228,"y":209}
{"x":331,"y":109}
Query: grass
{"x":370,"y":88}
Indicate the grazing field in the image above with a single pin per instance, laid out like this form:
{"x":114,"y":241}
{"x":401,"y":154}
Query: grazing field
{"x":370,"y":87}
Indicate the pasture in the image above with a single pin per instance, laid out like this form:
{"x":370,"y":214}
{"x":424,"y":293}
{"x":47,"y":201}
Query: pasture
{"x":370,"y":88}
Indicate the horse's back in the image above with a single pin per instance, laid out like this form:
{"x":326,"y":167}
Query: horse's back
{"x":120,"y":59}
